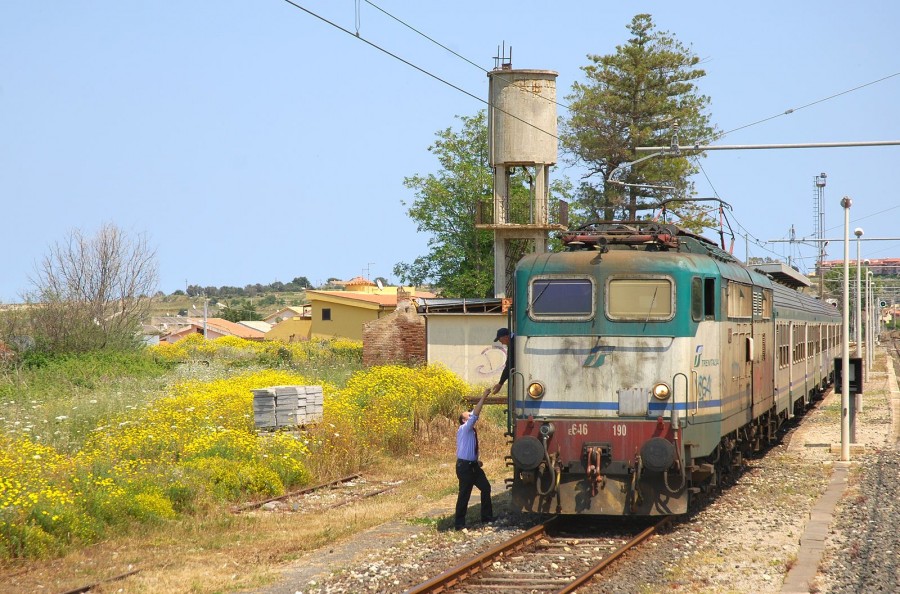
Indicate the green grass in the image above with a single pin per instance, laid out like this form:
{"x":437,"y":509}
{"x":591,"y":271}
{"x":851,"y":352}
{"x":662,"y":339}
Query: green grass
{"x":59,"y":400}
{"x":102,"y":442}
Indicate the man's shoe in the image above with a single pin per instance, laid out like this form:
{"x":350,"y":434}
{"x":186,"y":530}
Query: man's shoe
{"x":458,"y":528}
{"x":489,"y":520}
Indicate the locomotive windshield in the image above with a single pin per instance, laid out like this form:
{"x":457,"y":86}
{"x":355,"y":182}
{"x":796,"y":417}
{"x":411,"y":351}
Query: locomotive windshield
{"x":639,"y":299}
{"x":558,"y":297}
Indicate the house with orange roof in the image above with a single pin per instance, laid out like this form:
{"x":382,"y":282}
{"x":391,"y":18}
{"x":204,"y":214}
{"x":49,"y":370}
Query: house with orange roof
{"x":215,"y":328}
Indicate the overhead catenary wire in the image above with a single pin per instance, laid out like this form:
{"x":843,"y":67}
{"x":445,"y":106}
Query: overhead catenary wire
{"x":434,"y":41}
{"x":416,"y":67}
{"x":716,"y":137}
{"x":444,"y":81}
{"x":467,"y":93}
{"x":458,"y":55}
{"x":787,"y":112}
{"x":874,"y":214}
{"x":810,"y":104}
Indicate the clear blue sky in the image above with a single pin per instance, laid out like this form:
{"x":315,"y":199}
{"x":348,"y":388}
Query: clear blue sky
{"x":253,"y":142}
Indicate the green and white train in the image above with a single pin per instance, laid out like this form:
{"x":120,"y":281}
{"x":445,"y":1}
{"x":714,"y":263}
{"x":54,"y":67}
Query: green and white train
{"x":647,"y":363}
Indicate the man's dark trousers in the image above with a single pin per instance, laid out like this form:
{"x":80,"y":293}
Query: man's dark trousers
{"x":471,"y":475}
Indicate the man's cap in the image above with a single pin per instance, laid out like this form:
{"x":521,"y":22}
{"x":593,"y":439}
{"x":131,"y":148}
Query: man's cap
{"x":501,"y":333}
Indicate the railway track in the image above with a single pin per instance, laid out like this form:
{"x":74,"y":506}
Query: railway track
{"x":894,"y":351}
{"x":320,"y":498}
{"x":555,"y":556}
{"x":324,"y":496}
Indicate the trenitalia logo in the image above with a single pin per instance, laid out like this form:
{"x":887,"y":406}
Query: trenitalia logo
{"x":699,"y":361}
{"x":597,"y":356}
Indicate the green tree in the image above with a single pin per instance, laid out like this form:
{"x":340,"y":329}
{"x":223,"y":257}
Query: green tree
{"x":642,"y":95}
{"x":240,"y":311}
{"x":461,"y":259}
{"x":301,"y":282}
{"x":445,"y":206}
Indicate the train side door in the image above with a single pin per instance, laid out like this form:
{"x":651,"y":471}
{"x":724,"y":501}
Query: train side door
{"x":705,"y":380}
{"x":792,"y":356}
{"x":761,"y":374}
{"x":740,"y":351}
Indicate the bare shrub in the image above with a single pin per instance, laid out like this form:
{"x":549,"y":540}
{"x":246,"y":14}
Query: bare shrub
{"x":91,"y":293}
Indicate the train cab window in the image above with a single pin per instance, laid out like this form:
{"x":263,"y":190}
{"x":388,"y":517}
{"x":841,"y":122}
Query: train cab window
{"x":703,"y":298}
{"x":564,"y":298}
{"x":709,"y":297}
{"x":640,"y":299}
{"x":696,"y":299}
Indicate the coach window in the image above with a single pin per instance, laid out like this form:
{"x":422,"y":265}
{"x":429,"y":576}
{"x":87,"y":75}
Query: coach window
{"x":562,"y":298}
{"x":640,"y":299}
{"x":783,"y":342}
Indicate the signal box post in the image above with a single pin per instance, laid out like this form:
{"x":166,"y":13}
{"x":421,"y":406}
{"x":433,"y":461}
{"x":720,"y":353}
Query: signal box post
{"x":855,"y":389}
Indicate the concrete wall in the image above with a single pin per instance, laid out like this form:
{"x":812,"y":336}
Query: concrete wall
{"x":464,"y":343}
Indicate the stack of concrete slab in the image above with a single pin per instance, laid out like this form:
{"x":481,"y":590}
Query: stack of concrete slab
{"x":314,"y":404}
{"x":287,"y":406}
{"x":264,"y":408}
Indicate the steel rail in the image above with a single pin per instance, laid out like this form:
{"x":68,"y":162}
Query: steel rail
{"x":590,"y":573}
{"x":356,"y":498}
{"x":453,"y":576}
{"x":90,"y":587}
{"x":463,"y":571}
{"x":256,"y":504}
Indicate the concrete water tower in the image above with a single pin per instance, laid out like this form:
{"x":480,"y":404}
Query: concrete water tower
{"x":522,"y":133}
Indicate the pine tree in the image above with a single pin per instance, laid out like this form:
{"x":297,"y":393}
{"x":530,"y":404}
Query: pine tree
{"x":642,"y":95}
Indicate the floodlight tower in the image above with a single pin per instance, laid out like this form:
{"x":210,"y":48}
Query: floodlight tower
{"x":819,"y":211}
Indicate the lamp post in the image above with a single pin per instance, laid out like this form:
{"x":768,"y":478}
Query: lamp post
{"x":857,"y":333}
{"x":857,"y":405}
{"x":846,"y":202}
{"x":870,"y":333}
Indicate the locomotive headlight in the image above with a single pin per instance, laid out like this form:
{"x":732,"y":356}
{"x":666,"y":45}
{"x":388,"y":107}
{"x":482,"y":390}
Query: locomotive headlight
{"x":661,"y":391}
{"x":536,"y":390}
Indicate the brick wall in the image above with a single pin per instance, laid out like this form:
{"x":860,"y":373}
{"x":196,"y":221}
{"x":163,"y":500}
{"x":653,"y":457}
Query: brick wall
{"x":398,"y":338}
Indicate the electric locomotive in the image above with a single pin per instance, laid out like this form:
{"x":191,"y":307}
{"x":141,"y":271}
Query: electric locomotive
{"x":647,"y":363}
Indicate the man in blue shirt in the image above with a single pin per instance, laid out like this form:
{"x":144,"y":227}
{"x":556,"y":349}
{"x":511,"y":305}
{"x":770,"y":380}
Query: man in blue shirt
{"x":468,"y":467}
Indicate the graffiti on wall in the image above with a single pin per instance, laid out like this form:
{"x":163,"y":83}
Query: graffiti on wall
{"x":490,"y":361}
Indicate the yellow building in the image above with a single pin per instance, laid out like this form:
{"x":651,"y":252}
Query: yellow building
{"x":291,"y":330}
{"x":343,"y":313}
